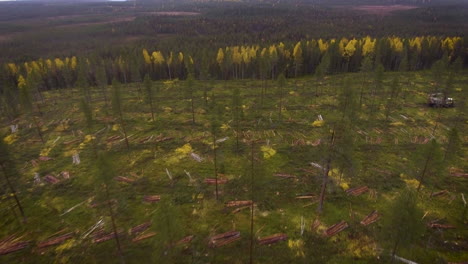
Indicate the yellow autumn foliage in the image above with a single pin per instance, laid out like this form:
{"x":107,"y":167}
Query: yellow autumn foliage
{"x":10,"y":139}
{"x":318,"y":123}
{"x":268,"y":151}
{"x":297,"y":246}
{"x":184,"y":150}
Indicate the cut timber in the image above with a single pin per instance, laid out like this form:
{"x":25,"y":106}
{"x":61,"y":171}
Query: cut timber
{"x":11,"y":244}
{"x":213,"y":181}
{"x":102,"y":236}
{"x":336,"y":228}
{"x":371,"y":218}
{"x":440,"y":226}
{"x":357,"y":190}
{"x":71,"y":142}
{"x":224,"y":239}
{"x":124,"y":179}
{"x":51,"y":179}
{"x":439,"y":193}
{"x":458,"y":172}
{"x":238,"y":203}
{"x":235,"y":211}
{"x":140,"y":228}
{"x":143,"y":236}
{"x":272,"y":239}
{"x":315,"y":225}
{"x":161,"y":138}
{"x":94,"y":205}
{"x":285,"y":176}
{"x":152,"y":198}
{"x":185,"y":240}
{"x":307,"y":196}
{"x":44,"y":158}
{"x":113,"y":138}
{"x":55,"y":240}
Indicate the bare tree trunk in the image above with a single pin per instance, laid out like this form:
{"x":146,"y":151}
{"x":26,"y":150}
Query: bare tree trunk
{"x":123,"y":129}
{"x":423,"y":174}
{"x":193,"y":109}
{"x":13,"y":191}
{"x":38,"y":129}
{"x":152,"y":110}
{"x":252,"y":205}
{"x":395,"y":247}
{"x":324,"y":186}
{"x":215,"y":165}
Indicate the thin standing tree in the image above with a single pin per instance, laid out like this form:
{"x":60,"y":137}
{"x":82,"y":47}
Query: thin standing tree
{"x":117,"y":107}
{"x":105,"y":170}
{"x":149,"y":94}
{"x":9,"y":170}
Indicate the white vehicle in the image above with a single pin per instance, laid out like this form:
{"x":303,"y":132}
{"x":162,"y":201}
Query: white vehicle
{"x":439,"y":100}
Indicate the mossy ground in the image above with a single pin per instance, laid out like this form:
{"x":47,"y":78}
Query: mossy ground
{"x":196,"y":212}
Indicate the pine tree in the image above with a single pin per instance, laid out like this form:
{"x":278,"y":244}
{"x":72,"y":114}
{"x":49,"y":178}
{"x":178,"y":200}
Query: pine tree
{"x":402,"y":222}
{"x":106,"y":173}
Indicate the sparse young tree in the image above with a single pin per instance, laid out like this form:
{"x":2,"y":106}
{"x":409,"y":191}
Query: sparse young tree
{"x":402,"y":222}
{"x":26,"y":101}
{"x":9,"y":170}
{"x":453,"y":148}
{"x":149,"y":94}
{"x":430,"y":157}
{"x":106,"y":173}
{"x":392,"y":99}
{"x":169,"y":227}
{"x":214,"y":126}
{"x":237,"y":113}
{"x":281,"y":84}
{"x":189,"y":95}
{"x":117,"y":107}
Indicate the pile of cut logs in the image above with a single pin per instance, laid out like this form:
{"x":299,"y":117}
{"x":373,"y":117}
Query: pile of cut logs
{"x":11,"y":244}
{"x":272,"y":239}
{"x":55,"y":240}
{"x":152,"y":198}
{"x":371,"y":218}
{"x":336,"y":228}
